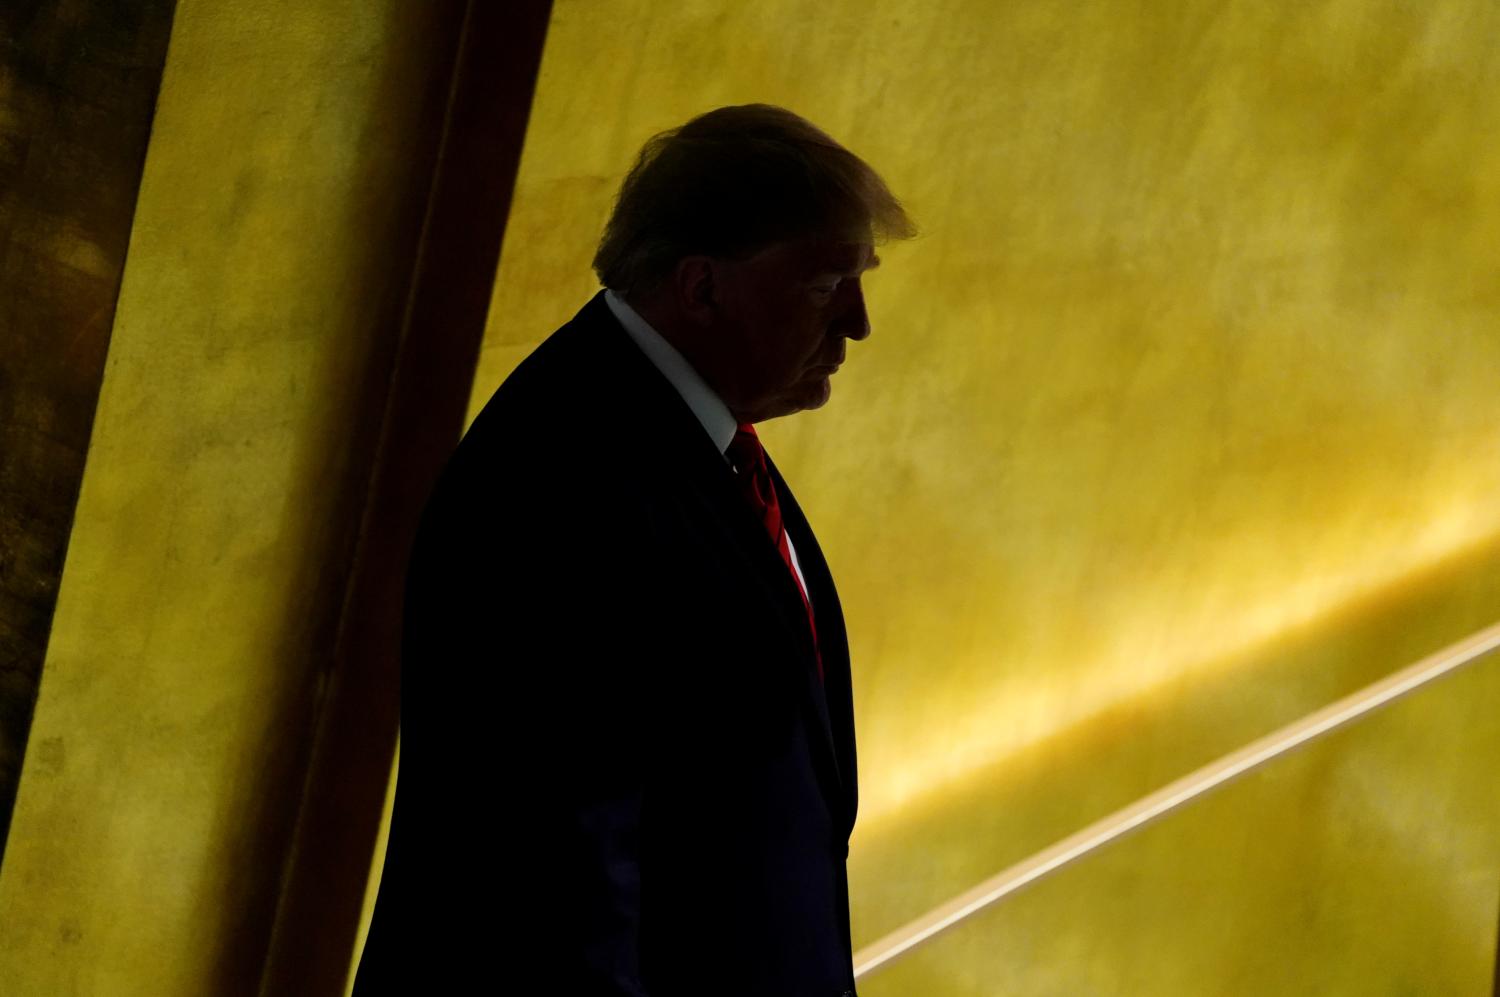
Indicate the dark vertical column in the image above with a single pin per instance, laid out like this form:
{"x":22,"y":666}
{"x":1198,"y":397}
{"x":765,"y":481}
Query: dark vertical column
{"x":78,"y":85}
{"x":499,"y":55}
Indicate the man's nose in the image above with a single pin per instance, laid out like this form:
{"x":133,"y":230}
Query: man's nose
{"x":854,"y":321}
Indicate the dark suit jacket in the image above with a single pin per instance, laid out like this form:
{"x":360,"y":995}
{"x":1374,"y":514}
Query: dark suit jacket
{"x":620,"y":773}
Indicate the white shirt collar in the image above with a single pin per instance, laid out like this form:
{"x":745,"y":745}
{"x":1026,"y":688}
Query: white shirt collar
{"x":717,"y":420}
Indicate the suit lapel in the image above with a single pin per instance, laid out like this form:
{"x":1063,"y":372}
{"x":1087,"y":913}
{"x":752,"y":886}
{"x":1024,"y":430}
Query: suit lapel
{"x":833,"y":697}
{"x":764,"y":562}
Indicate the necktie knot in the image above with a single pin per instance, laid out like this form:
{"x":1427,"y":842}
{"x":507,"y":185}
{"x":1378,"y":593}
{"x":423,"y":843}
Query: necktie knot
{"x":749,"y":459}
{"x":745,"y":450}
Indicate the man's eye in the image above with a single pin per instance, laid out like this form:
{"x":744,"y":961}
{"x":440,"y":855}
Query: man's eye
{"x":826,"y":288}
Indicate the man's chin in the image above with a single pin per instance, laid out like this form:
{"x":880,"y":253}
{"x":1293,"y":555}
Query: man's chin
{"x":823,"y":392}
{"x":813,"y":396}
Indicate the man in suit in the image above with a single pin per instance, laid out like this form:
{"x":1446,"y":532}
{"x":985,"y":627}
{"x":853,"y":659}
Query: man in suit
{"x":628,"y":761}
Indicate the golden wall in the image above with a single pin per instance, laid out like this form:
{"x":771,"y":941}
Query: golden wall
{"x":1177,"y":423}
{"x":191,"y":649}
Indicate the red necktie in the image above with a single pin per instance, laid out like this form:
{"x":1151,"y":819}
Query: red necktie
{"x":755,"y":481}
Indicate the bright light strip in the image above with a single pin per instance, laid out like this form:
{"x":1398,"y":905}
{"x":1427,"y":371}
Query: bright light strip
{"x":1168,"y":798}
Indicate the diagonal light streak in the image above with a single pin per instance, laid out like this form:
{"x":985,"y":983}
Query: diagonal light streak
{"x":1168,"y":798}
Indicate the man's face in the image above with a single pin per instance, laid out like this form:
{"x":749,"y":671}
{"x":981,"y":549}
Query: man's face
{"x":783,"y":316}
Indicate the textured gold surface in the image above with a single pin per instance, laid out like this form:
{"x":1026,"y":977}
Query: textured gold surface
{"x":204,"y":570}
{"x":1178,"y":423}
{"x":72,"y":138}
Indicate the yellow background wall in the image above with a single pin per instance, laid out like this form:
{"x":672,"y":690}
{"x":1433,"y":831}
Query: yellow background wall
{"x":263,"y":291}
{"x":1179,"y":422}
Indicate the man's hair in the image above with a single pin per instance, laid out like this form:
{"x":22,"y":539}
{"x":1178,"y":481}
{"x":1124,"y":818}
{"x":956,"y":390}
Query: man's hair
{"x":733,"y":181}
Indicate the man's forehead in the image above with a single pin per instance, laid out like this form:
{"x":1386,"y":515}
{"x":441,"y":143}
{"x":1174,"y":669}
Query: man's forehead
{"x":836,"y":256}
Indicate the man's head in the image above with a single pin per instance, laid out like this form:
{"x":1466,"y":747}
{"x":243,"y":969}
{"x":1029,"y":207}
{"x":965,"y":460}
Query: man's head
{"x":741,"y":237}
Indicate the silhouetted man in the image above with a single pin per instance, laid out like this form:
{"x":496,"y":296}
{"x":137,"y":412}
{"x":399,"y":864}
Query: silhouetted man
{"x":627,"y":735}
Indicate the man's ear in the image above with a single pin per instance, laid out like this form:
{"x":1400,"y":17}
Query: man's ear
{"x":695,"y":290}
